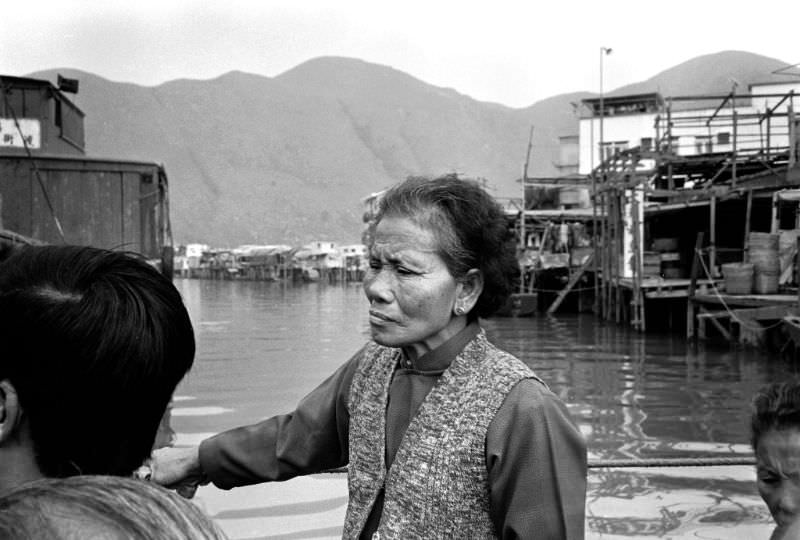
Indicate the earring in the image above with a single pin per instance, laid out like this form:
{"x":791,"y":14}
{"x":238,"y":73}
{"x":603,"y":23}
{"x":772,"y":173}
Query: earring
{"x":459,"y":311}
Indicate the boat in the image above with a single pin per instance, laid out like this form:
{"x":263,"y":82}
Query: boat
{"x":519,"y":305}
{"x":52,"y":192}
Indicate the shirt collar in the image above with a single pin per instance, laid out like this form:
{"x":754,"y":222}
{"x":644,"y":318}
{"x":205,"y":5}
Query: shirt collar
{"x":442,"y":356}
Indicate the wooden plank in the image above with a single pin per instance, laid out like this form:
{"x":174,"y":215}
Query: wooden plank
{"x":690,"y":305}
{"x":714,"y":320}
{"x":786,"y":275}
{"x":745,"y":301}
{"x":43,"y":225}
{"x":15,"y":195}
{"x":747,"y":217}
{"x":570,"y":285}
{"x":766,"y":313}
{"x":130,"y":212}
{"x":713,"y":314}
{"x":671,"y":293}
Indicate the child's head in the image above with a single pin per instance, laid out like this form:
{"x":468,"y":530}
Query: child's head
{"x":94,"y":344}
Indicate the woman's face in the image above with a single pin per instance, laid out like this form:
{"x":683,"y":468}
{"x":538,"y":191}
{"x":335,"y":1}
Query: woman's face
{"x":778,"y":471}
{"x":411,"y":291}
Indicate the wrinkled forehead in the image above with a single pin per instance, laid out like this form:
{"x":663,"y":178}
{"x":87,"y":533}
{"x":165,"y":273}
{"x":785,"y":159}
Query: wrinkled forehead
{"x":427,"y":218}
{"x":396,"y":235}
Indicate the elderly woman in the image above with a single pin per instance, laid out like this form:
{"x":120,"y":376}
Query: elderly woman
{"x":775,"y":427}
{"x":444,"y":434}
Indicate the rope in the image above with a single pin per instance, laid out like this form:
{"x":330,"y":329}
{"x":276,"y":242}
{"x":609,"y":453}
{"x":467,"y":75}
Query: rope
{"x":725,"y":305}
{"x":574,"y":289}
{"x":670,"y":462}
{"x":645,"y":463}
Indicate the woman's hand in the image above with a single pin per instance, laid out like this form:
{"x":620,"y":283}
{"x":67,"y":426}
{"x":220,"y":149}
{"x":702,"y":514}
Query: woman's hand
{"x":178,"y":469}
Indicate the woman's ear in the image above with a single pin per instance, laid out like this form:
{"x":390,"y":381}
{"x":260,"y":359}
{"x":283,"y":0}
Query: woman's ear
{"x":9,"y":411}
{"x":471,"y":289}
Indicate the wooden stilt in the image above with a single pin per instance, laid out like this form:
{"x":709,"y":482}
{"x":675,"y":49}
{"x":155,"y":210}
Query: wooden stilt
{"x":571,"y":284}
{"x":690,"y":307}
{"x":712,"y":247}
{"x":747,"y":214}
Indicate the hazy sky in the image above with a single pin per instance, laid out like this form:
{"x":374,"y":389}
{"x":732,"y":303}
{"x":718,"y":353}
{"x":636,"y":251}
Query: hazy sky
{"x":510,"y":52}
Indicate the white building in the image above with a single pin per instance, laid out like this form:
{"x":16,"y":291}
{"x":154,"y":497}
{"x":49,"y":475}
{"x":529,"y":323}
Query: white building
{"x":687,"y":125}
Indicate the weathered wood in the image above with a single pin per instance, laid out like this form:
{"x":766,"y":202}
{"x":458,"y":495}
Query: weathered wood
{"x":714,"y":318}
{"x":712,"y":239}
{"x":766,"y":313}
{"x":673,"y":293}
{"x":690,"y":306}
{"x":747,"y":214}
{"x":570,"y":285}
{"x":736,"y":301}
{"x":786,"y":275}
{"x":705,"y":314}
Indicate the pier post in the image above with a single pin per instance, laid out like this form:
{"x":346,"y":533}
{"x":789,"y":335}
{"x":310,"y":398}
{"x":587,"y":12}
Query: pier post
{"x":748,"y":212}
{"x":690,"y":307}
{"x":712,"y":240}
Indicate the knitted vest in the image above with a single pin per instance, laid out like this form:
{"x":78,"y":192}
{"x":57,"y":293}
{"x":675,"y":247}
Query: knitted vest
{"x":437,"y":486}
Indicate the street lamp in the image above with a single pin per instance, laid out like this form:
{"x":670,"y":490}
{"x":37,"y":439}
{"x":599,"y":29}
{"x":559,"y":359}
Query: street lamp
{"x":603,"y":52}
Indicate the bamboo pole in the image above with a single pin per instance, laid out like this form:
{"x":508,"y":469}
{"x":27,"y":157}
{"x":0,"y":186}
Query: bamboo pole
{"x":618,"y":227}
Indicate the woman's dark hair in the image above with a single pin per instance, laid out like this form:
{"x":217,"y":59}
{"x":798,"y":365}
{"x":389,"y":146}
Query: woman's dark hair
{"x":470,"y":228}
{"x":776,"y":406}
{"x":101,"y":507}
{"x":94,"y":342}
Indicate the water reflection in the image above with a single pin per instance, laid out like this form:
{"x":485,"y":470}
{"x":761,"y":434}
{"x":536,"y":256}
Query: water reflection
{"x":261,"y":346}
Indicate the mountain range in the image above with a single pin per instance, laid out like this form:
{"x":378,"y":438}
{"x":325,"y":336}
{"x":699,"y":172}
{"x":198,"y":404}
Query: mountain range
{"x":289,"y":159}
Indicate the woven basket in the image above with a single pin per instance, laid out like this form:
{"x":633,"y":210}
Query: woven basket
{"x":766,"y":283}
{"x":763,"y":253}
{"x":738,"y":278}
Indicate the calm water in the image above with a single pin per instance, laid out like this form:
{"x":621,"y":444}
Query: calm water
{"x":262,"y":346}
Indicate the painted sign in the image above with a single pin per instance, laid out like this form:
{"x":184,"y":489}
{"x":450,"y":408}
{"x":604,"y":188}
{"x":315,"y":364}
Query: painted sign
{"x":10,"y":135}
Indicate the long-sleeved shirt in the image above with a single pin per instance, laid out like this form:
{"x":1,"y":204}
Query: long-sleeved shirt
{"x":535,"y":455}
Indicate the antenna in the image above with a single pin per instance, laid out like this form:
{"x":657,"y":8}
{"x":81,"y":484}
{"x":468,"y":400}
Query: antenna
{"x":785,"y":70}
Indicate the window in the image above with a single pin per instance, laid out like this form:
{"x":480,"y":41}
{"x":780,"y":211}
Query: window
{"x":702,"y":144}
{"x":610,"y":149}
{"x":58,"y":118}
{"x":724,"y":138}
{"x":646,"y":143}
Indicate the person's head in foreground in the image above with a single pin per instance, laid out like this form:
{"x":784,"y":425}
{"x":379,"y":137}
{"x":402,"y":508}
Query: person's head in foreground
{"x":776,"y":442}
{"x":107,"y":507}
{"x":94,"y":344}
{"x":441,"y":256}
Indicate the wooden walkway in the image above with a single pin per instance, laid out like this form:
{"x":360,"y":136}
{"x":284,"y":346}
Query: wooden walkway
{"x":742,"y":318}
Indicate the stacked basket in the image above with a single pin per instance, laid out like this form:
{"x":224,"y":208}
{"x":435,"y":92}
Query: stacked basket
{"x":738,"y":278}
{"x":763,"y":254}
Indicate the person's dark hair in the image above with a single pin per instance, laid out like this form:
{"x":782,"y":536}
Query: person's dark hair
{"x":94,"y":342}
{"x":776,"y":406}
{"x":470,"y":228}
{"x":101,"y":507}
